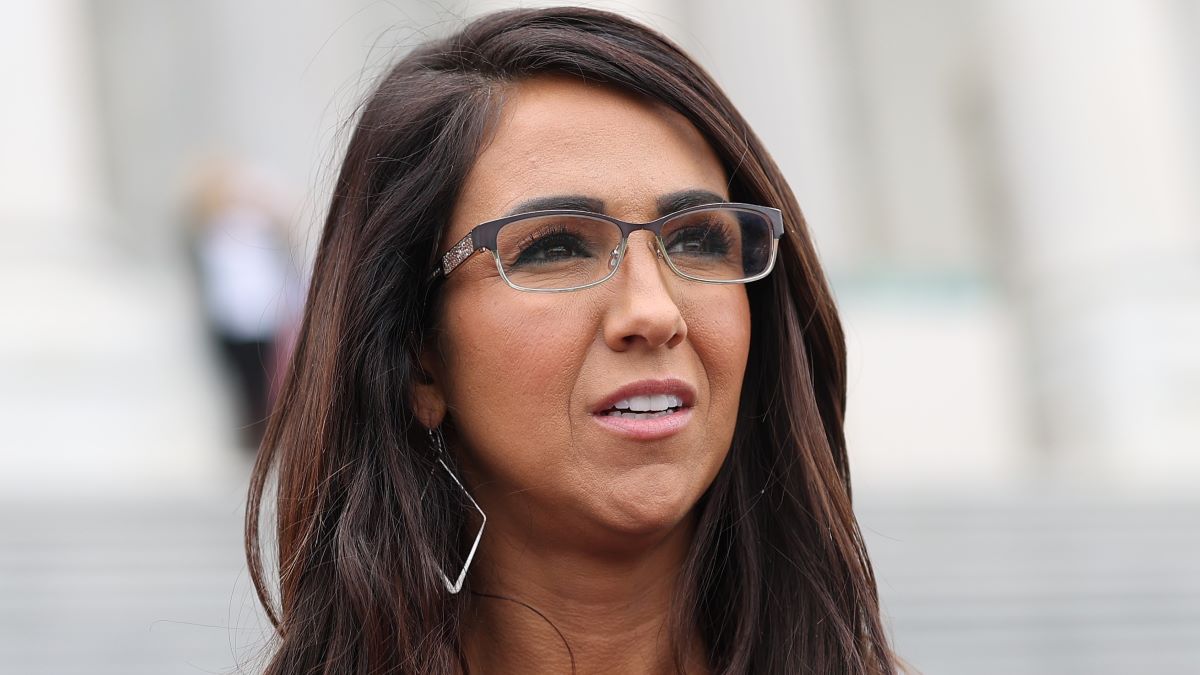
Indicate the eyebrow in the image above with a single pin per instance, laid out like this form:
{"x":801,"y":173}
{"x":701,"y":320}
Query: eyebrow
{"x":684,"y":199}
{"x":668,"y":203}
{"x":556,"y":202}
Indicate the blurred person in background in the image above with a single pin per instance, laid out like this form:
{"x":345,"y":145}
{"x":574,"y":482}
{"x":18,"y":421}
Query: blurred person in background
{"x":631,"y":440}
{"x":249,"y":287}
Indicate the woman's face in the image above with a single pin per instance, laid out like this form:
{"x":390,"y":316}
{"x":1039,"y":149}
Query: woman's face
{"x":526,"y":378}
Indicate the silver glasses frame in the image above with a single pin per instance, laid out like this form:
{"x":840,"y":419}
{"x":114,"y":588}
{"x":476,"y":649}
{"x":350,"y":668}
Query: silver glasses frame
{"x":483,"y":238}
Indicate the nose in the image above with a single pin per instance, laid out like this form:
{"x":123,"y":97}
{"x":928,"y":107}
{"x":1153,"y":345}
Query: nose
{"x":643,"y":309}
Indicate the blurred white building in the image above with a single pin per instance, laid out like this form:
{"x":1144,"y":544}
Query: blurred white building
{"x":1004,"y":193}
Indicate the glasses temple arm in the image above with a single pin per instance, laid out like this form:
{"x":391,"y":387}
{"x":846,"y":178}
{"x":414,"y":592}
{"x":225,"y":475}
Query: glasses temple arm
{"x":456,"y":255}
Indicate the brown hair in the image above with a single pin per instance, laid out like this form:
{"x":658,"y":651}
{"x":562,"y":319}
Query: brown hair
{"x":778,"y":578}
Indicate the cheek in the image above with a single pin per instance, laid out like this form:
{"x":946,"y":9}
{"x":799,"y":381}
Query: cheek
{"x":510,"y":366}
{"x":721,"y":339}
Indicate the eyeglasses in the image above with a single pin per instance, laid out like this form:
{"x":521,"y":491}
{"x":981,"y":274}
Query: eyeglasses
{"x":562,"y":250}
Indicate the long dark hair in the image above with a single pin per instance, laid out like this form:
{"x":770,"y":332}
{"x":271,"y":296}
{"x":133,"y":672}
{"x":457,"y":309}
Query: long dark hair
{"x":777,"y":580}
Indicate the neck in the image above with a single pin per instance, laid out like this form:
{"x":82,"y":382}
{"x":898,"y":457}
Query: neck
{"x":561,"y":610}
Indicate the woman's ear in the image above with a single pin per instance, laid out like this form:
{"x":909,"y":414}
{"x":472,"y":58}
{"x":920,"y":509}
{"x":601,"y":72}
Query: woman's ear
{"x":428,"y":398}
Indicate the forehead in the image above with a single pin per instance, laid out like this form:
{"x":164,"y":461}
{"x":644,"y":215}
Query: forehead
{"x":562,"y":136}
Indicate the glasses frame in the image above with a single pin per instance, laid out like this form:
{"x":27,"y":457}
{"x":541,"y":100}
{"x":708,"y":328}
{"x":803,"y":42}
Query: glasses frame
{"x":483,"y":238}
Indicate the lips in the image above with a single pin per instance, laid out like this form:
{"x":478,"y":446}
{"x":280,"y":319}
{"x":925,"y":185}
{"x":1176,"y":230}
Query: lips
{"x":645,"y":406}
{"x":646,"y":410}
{"x":646,"y":396}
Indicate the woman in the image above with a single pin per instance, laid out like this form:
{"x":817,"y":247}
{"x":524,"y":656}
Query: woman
{"x":523,"y":433}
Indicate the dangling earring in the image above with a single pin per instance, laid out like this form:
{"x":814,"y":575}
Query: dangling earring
{"x":439,"y":444}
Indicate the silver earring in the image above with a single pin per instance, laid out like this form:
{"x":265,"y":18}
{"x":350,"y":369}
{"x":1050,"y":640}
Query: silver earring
{"x":439,"y":443}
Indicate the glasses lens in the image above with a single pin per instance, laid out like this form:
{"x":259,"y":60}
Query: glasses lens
{"x":557,"y":252}
{"x":719,"y":244}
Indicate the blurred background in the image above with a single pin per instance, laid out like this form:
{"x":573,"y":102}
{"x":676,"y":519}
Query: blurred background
{"x":1006,"y":194}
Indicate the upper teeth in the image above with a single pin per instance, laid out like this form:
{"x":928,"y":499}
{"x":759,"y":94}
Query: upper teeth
{"x":648,"y":403}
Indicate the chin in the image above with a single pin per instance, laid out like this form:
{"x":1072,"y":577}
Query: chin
{"x":650,"y":500}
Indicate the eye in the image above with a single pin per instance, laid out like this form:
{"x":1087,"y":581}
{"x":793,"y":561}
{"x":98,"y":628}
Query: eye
{"x":710,"y":239}
{"x":551,"y":245}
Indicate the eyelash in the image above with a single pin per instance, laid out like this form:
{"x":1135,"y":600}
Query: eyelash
{"x":533,"y":237}
{"x":718,"y":234}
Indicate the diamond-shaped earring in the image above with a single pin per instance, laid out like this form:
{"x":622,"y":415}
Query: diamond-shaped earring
{"x":439,"y":444}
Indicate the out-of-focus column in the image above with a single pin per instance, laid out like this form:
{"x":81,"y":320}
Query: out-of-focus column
{"x":1100,"y":172}
{"x":858,"y":101}
{"x":100,"y":395}
{"x":48,"y":175}
{"x":783,"y":64}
